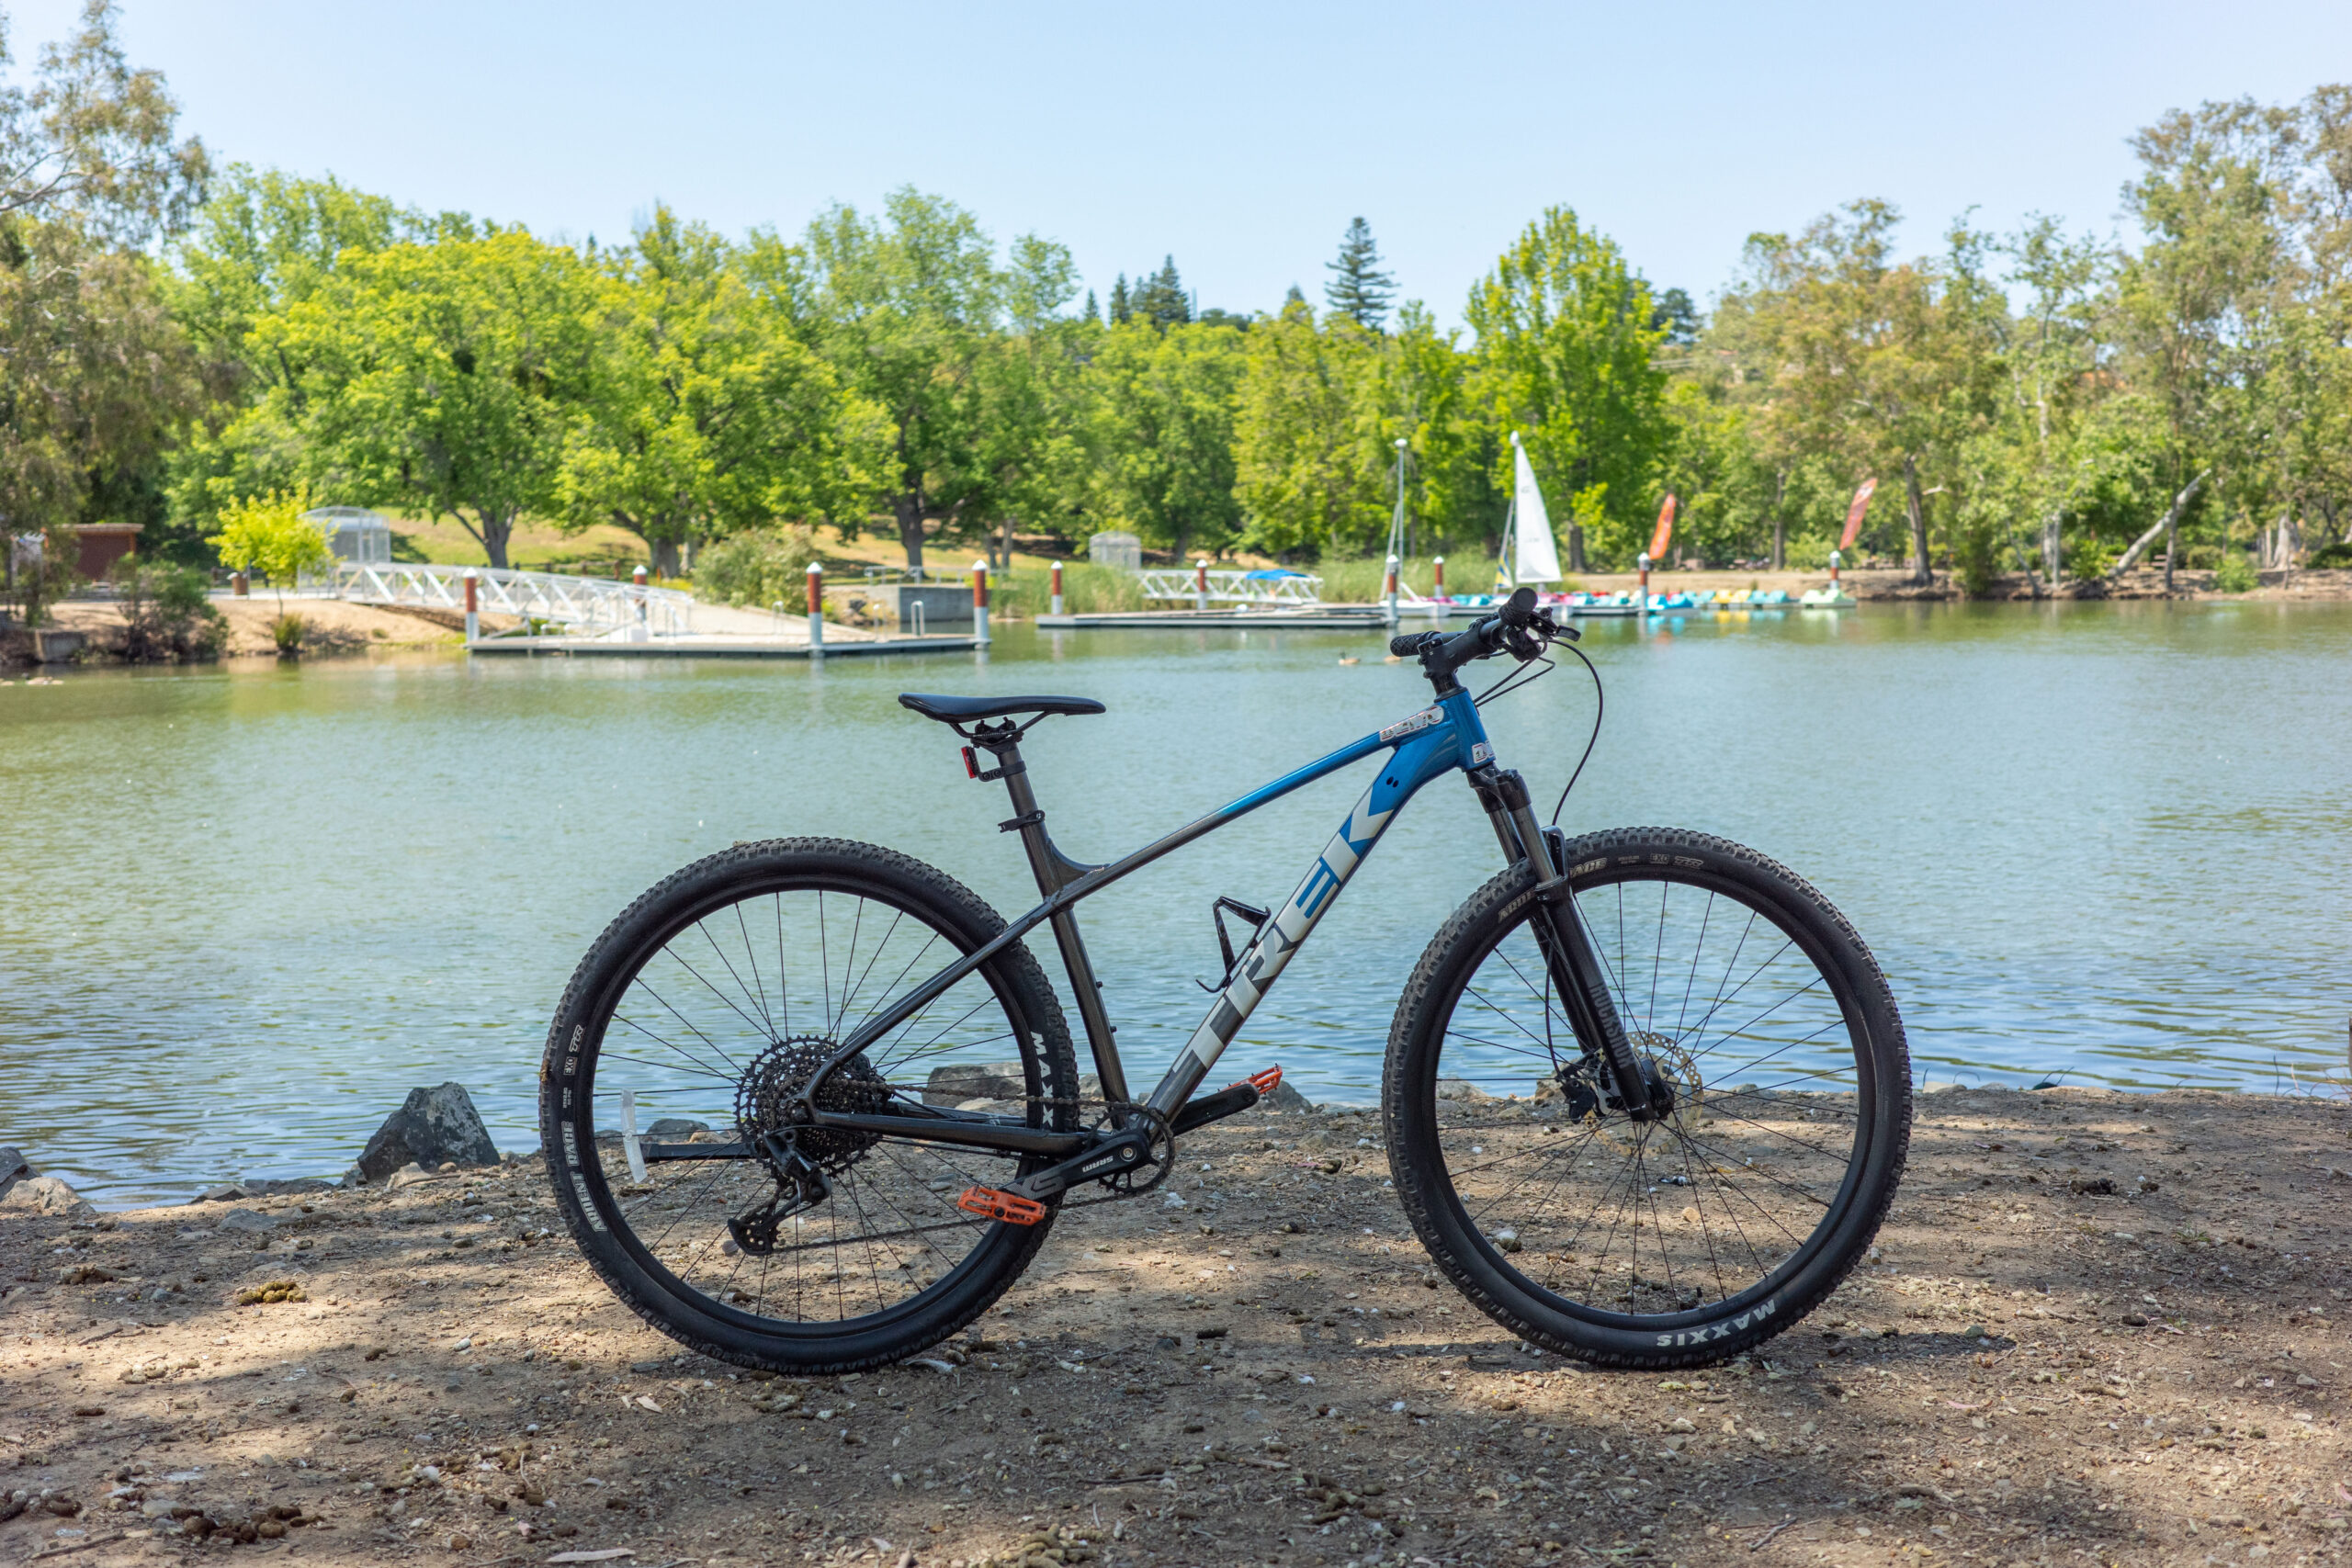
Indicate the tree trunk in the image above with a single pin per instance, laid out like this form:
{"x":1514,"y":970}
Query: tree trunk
{"x":907,"y":507}
{"x":1916,"y":506}
{"x":2166,"y":526}
{"x":1576,"y":548}
{"x":2049,"y":555}
{"x":497,"y":528}
{"x":1780,"y":524}
{"x":665,"y":556}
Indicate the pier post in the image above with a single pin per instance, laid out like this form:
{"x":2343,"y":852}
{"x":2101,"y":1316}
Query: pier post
{"x":473,"y":606}
{"x":980,"y":602}
{"x":240,"y":585}
{"x":1836,"y":561}
{"x":816,"y":611}
{"x":636,"y":580}
{"x":1200,"y":583}
{"x":1058,"y":587}
{"x":1644,"y":564}
{"x":1388,"y":591}
{"x":1437,"y":583}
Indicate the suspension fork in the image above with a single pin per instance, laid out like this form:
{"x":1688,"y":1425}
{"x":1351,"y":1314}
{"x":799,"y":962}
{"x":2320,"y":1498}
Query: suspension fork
{"x":1568,"y":954}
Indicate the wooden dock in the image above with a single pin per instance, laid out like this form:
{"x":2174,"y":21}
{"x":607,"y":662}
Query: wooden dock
{"x":1348,"y":619}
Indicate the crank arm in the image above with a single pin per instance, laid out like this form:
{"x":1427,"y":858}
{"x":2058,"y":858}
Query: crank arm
{"x":1125,"y":1150}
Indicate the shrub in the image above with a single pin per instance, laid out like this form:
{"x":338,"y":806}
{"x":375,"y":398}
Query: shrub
{"x":1088,"y":589}
{"x":2089,"y":560}
{"x":287,"y":632}
{"x":165,"y":613}
{"x":1976,"y":560}
{"x":270,"y":533}
{"x":2235,"y":574}
{"x":2334,"y":556}
{"x":758,"y":567}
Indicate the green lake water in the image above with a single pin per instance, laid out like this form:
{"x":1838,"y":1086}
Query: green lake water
{"x":244,"y":909}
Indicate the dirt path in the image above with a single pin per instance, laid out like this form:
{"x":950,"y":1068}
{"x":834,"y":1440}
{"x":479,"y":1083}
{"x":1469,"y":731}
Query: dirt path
{"x":2033,"y":1370}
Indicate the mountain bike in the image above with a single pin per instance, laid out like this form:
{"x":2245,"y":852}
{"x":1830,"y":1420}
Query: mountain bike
{"x":1645,"y":1102}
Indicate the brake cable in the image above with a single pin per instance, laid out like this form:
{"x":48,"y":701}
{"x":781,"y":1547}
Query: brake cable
{"x":1600,"y":706}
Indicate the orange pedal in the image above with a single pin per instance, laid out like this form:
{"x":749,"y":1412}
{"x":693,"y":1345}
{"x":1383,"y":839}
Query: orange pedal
{"x":1265,"y":1082}
{"x":1010,"y":1207}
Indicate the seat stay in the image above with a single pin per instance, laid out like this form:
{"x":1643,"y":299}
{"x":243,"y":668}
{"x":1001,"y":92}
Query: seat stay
{"x":1428,"y":734}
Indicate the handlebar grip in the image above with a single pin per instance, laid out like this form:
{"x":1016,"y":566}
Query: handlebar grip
{"x":1409,"y":645}
{"x":1518,"y":610}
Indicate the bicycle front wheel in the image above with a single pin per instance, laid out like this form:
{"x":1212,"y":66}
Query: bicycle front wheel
{"x":693,"y":1022}
{"x":1690,"y":1235}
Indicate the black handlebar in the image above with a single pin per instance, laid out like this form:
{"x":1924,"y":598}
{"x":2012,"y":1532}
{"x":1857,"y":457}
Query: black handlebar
{"x":1442,"y":655}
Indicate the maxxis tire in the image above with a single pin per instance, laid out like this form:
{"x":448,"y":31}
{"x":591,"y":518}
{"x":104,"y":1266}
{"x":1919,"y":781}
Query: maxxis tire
{"x":1472,"y":1261}
{"x":585,"y":1200}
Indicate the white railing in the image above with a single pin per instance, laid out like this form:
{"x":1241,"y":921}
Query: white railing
{"x":1230,"y":587}
{"x":582,"y":604}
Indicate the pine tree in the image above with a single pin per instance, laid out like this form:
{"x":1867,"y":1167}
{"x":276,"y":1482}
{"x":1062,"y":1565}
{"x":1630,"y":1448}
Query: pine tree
{"x":1296,"y":296}
{"x":1093,"y":310}
{"x":1675,"y":315}
{"x":1160,"y":298}
{"x":1120,"y":308}
{"x":1358,"y":289}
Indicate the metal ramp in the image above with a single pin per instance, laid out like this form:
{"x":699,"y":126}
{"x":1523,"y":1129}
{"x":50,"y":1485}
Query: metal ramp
{"x":585,"y":604}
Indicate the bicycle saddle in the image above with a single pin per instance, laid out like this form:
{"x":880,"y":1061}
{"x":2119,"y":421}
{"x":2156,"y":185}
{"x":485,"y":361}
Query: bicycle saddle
{"x":961,"y":710}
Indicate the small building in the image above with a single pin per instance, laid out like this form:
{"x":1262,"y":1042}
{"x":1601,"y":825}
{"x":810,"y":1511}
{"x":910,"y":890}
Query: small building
{"x":1117,"y":548}
{"x":98,"y":545}
{"x":355,"y":533}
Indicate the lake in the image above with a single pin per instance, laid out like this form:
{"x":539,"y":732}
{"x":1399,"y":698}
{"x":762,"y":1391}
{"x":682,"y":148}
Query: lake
{"x":244,"y":909}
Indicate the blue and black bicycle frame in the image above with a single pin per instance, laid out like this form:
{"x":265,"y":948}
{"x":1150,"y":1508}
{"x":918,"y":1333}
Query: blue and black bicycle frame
{"x":1446,"y":736}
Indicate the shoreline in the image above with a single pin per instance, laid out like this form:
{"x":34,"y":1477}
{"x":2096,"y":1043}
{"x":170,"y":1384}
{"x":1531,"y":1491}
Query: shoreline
{"x":2097,"y":1322}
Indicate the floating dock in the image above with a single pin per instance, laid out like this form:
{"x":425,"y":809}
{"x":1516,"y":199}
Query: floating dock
{"x":716,"y":646}
{"x":1347,"y":618}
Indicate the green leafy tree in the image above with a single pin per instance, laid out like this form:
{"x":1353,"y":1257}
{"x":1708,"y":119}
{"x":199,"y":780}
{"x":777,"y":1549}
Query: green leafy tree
{"x":269,"y":535}
{"x":907,"y":310}
{"x":1357,"y":290}
{"x":96,"y":372}
{"x":264,"y":241}
{"x":1159,"y":437}
{"x":706,"y":413}
{"x":1566,"y":348}
{"x":1425,"y":392}
{"x":445,"y":379}
{"x":1308,"y":479}
{"x":1032,"y":455}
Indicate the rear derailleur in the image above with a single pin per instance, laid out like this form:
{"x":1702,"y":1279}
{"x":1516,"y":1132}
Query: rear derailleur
{"x":801,"y":1185}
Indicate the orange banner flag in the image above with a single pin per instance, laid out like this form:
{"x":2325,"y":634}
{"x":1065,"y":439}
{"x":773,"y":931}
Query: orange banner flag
{"x":1855,"y":513}
{"x":1665,"y":534}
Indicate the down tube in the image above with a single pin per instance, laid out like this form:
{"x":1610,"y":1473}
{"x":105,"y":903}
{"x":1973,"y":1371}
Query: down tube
{"x":1413,"y":763}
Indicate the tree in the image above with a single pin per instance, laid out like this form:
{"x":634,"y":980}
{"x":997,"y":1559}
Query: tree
{"x":1301,"y":466}
{"x":1886,"y":365}
{"x":261,"y":242}
{"x":1032,"y":409}
{"x":268,"y":532}
{"x":1358,"y":289}
{"x":1160,"y":298}
{"x":707,"y":415}
{"x":1424,"y":392}
{"x":89,"y":144}
{"x":1675,"y":316}
{"x":906,"y":308}
{"x":1159,"y":435}
{"x":445,"y":379}
{"x":96,"y":373}
{"x":1566,"y":349}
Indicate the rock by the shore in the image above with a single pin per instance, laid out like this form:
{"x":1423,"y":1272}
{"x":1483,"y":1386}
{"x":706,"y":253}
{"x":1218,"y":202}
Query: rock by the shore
{"x":47,"y":1195}
{"x":13,"y":1167}
{"x":261,"y":1187}
{"x":958,"y":1082}
{"x":1285,"y":1098}
{"x":433,"y":1127}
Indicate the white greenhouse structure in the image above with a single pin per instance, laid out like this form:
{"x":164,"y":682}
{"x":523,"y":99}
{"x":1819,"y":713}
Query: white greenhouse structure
{"x":355,"y":533}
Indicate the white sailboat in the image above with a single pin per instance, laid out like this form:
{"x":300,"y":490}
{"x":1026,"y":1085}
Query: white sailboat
{"x":1530,"y":553}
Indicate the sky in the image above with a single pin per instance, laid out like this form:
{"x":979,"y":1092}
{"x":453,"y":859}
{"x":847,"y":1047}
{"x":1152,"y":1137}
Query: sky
{"x":1240,"y":139}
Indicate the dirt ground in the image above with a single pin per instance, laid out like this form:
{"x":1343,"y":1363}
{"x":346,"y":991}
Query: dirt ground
{"x":2032,"y":1370}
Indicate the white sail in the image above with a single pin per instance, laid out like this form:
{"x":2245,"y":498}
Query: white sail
{"x":1539,"y":556}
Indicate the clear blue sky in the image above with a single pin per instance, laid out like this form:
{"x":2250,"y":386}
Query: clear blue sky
{"x":1239,"y":137}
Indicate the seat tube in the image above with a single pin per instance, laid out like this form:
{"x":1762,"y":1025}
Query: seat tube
{"x":1084,"y":988}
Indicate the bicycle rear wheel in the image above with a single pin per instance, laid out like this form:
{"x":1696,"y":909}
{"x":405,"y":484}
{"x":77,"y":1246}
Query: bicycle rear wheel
{"x":690,"y":1024}
{"x":1681,"y":1237}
